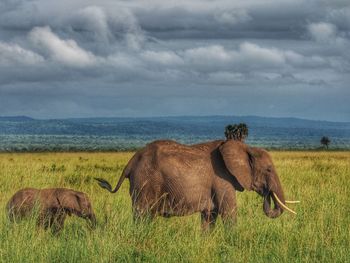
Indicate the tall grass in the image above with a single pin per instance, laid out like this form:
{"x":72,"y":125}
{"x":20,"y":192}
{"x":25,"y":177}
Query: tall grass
{"x":319,"y":233}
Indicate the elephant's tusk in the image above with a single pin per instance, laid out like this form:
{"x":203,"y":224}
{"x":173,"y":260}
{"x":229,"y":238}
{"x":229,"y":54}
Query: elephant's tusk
{"x":292,"y":202}
{"x":283,"y":205}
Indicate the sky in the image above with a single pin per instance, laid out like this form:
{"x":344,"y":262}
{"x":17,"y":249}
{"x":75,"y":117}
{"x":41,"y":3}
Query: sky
{"x":85,"y":58}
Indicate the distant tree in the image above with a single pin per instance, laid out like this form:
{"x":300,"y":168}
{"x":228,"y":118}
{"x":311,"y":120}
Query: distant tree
{"x":325,"y":141}
{"x":238,"y":132}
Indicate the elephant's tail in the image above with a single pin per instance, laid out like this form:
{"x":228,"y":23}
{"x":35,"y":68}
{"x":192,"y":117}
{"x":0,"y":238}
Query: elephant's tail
{"x":106,"y":185}
{"x":126,"y":172}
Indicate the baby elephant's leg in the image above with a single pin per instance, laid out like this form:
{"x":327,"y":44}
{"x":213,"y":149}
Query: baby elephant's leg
{"x":45,"y":219}
{"x":52,"y":218}
{"x":58,"y":221}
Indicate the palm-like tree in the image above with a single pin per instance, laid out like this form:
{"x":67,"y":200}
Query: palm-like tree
{"x":238,"y":132}
{"x":325,"y":141}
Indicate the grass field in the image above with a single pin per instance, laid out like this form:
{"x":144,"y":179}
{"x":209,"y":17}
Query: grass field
{"x":319,"y":233}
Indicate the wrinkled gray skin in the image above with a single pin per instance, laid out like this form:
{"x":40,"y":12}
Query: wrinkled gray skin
{"x":53,"y":205}
{"x":171,"y":179}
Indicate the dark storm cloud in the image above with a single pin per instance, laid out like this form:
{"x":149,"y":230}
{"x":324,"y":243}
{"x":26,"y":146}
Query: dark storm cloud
{"x":94,"y":58}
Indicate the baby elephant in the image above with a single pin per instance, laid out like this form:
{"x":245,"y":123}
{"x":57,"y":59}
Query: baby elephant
{"x":53,"y":205}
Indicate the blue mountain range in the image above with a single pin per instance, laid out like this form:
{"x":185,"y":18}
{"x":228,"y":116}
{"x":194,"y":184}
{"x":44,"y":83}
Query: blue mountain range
{"x":22,"y":133}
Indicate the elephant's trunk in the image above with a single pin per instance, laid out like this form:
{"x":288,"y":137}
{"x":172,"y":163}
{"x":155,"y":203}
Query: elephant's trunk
{"x":276,"y":211}
{"x":275,"y":192}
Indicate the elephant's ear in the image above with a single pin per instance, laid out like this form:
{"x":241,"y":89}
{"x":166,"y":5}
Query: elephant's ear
{"x":236,"y":159}
{"x":69,"y":201}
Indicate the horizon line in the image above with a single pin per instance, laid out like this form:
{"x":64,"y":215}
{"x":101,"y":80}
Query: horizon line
{"x":172,"y":116}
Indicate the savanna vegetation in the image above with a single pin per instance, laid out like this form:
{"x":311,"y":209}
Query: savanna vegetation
{"x":320,"y":231}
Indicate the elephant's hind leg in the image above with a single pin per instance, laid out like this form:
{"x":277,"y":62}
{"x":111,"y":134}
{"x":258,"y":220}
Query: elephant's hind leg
{"x":142,"y":215}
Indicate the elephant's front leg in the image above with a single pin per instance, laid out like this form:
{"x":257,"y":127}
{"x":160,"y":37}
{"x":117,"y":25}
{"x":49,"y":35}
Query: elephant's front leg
{"x":58,"y":222}
{"x":45,"y":219}
{"x":208,"y":219}
{"x":227,"y":205}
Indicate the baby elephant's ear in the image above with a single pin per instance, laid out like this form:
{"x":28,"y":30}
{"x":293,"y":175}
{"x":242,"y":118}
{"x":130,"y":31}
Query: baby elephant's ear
{"x":236,"y":160}
{"x":69,"y":201}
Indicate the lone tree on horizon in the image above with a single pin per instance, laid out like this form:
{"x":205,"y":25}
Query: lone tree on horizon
{"x":238,"y":132}
{"x":325,"y":141}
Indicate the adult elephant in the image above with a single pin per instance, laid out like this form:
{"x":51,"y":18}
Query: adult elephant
{"x":172,"y":179}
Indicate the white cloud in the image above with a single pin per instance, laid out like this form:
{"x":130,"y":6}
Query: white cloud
{"x":124,"y":21}
{"x":210,"y":55}
{"x":299,"y":60}
{"x":253,"y":53}
{"x":63,"y":51}
{"x":93,"y":19}
{"x":134,"y":40}
{"x":14,"y":54}
{"x":328,"y":33}
{"x":322,"y":32}
{"x":247,"y":54}
{"x":226,"y":78}
{"x":340,"y":16}
{"x":246,"y":57}
{"x":162,"y":57}
{"x":232,"y":17}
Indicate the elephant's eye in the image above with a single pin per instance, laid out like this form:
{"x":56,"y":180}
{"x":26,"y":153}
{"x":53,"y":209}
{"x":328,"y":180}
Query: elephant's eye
{"x":269,"y":169}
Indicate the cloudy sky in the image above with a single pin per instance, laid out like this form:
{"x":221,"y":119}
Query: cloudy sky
{"x":84,"y":58}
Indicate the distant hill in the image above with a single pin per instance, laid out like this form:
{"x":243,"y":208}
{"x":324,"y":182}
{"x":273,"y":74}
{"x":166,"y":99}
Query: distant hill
{"x":16,"y":118}
{"x":208,"y":125}
{"x":25,"y":133}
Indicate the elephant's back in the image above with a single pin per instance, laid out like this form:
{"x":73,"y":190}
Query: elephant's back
{"x":165,"y":146}
{"x":161,"y":155}
{"x":24,"y":194}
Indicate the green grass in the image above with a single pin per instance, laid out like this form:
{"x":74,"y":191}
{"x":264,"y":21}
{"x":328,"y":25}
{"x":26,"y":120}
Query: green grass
{"x":319,"y":233}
